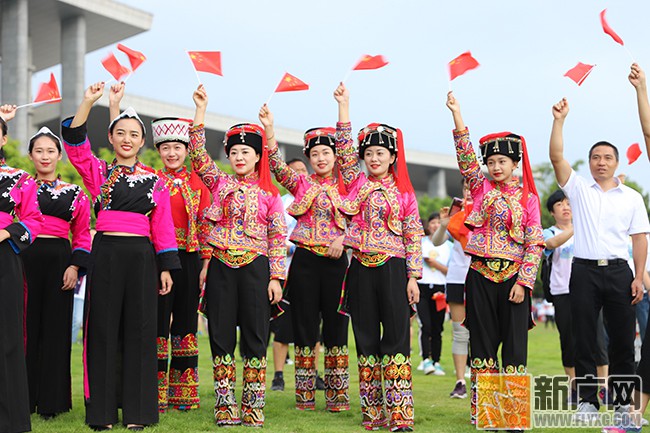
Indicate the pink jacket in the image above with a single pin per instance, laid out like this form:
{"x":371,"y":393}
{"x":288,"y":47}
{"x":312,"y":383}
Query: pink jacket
{"x":243,"y":217}
{"x":18,"y":200}
{"x":502,"y":228}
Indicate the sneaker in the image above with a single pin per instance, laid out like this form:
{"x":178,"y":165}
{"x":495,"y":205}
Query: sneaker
{"x":421,"y":366}
{"x":644,"y":422}
{"x":587,"y":413}
{"x":621,"y":429}
{"x":460,"y":390}
{"x":438,"y":371}
{"x":320,"y":383}
{"x":277,"y":384}
{"x":605,"y":396}
{"x":428,"y":367}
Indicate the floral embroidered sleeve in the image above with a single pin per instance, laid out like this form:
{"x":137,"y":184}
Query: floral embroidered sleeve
{"x":283,"y":173}
{"x":346,"y":155}
{"x":276,"y":235}
{"x":467,"y":162}
{"x":412,"y":234}
{"x":533,"y":245}
{"x":80,"y":230}
{"x":202,"y":163}
{"x":30,"y":219}
{"x":203,"y":223}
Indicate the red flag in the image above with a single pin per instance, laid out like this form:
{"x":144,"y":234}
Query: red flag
{"x":48,"y":92}
{"x":206,"y":61}
{"x":607,"y":29}
{"x":136,"y":58}
{"x":370,"y":62}
{"x":461,"y":64}
{"x":579,"y":72}
{"x":114,"y":67}
{"x":633,"y":153}
{"x":289,"y":83}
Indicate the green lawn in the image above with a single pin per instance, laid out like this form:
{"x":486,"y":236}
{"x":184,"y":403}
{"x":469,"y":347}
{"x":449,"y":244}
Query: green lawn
{"x":434,"y":410}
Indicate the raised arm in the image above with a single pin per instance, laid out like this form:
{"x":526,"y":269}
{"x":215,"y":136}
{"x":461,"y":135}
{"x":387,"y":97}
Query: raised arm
{"x":92,"y":94}
{"x":202,"y":163}
{"x":561,"y":166}
{"x":346,"y":156}
{"x":559,"y":239}
{"x":440,"y":236}
{"x":465,"y":155}
{"x":638,"y":80}
{"x":115,"y":96}
{"x":283,"y":173}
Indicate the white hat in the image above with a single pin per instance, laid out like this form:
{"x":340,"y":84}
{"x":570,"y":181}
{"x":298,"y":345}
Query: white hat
{"x":168,"y":129}
{"x":46,"y":131}
{"x":129,"y":113}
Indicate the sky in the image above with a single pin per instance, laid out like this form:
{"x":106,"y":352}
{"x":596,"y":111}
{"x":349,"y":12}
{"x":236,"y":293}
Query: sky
{"x":523,"y":46}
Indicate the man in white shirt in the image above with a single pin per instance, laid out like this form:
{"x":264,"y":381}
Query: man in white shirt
{"x":605,"y":214}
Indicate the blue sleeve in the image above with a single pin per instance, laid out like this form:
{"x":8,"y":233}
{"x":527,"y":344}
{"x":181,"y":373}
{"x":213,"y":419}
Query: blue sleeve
{"x":548,"y":233}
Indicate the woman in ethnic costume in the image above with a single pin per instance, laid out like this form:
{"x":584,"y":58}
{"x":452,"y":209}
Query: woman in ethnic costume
{"x":132,"y":256}
{"x":246,"y":235}
{"x":381,"y":285}
{"x":506,"y":247}
{"x":52,"y":268}
{"x":22,"y":221}
{"x":318,"y":267}
{"x":189,"y":197}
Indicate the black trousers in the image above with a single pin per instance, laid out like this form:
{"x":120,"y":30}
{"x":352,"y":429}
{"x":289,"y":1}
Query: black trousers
{"x":120,"y":332}
{"x":49,"y":325}
{"x":431,"y":322}
{"x":493,"y":320}
{"x":593,"y":288}
{"x":314,"y":289}
{"x":238,"y":297}
{"x":378,"y":302}
{"x":14,"y":394}
{"x":182,"y":304}
{"x":643,"y":370}
{"x":564,"y":322}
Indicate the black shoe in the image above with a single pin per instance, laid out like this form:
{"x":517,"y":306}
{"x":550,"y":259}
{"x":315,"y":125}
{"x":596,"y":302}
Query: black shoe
{"x":135,"y":428}
{"x":47,"y":416}
{"x":277,"y":384}
{"x":101,"y":427}
{"x":320,"y":384}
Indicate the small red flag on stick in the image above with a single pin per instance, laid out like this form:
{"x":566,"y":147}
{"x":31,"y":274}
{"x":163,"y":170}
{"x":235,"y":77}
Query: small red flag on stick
{"x":607,"y":29}
{"x":633,"y":153}
{"x":114,"y":67}
{"x":290,"y":83}
{"x":48,"y":92}
{"x":136,"y":58}
{"x":206,"y":61}
{"x":579,"y":72}
{"x":462,"y":64}
{"x":370,"y":62}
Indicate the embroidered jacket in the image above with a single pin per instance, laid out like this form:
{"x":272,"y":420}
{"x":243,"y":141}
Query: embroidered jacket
{"x":502,"y":228}
{"x":244,"y":221}
{"x":384,"y":222}
{"x":127,"y":199}
{"x":316,"y":206}
{"x":19,"y":212}
{"x":189,"y":198}
{"x":66,"y":210}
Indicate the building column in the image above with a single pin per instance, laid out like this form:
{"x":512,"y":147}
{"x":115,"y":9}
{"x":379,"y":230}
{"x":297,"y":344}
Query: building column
{"x":437,"y":184}
{"x":15,"y":65}
{"x":73,"y":51}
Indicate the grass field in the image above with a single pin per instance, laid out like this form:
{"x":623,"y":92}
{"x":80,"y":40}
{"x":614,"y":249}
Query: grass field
{"x":434,"y":410}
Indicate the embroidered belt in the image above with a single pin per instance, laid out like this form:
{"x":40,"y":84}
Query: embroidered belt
{"x":235,"y":258}
{"x":319,"y":250}
{"x":371,"y":260}
{"x":496,"y":264}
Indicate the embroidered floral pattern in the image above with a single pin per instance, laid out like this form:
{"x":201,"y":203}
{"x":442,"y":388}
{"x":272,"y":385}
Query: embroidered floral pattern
{"x":337,"y":379}
{"x":502,"y":228}
{"x":370,"y":391}
{"x":163,"y":348}
{"x":163,"y":389}
{"x":305,"y":365}
{"x":226,"y":411}
{"x":252,"y":400}
{"x":479,"y":366}
{"x":121,"y":176}
{"x":178,"y":182}
{"x":184,"y":388}
{"x":184,"y":346}
{"x":398,"y":387}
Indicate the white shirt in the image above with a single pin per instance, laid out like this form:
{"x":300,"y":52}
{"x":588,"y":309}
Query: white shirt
{"x":458,"y":265}
{"x":440,"y":254}
{"x":603,"y":220}
{"x":561,"y":262}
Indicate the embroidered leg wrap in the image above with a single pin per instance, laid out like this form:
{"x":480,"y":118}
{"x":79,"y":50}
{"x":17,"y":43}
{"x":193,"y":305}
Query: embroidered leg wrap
{"x":399,"y":394}
{"x":372,"y":397}
{"x":337,"y":379}
{"x":226,"y":411}
{"x":479,"y":366}
{"x":252,"y":400}
{"x":163,"y":359}
{"x":183,"y":373}
{"x":305,"y":360}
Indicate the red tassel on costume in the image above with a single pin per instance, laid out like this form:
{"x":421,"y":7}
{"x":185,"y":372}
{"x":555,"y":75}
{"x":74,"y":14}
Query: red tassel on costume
{"x":402,"y":180}
{"x":263,"y":169}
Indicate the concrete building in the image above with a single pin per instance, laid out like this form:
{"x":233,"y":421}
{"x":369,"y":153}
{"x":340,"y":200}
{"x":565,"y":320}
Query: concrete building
{"x":39,"y":34}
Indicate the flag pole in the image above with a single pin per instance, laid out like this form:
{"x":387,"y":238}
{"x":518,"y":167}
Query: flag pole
{"x":629,"y":53}
{"x":268,"y":101}
{"x":347,"y":75}
{"x":195,"y":71}
{"x":36,"y":103}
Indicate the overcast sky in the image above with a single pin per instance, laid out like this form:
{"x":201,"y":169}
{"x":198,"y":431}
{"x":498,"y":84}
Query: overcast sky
{"x":524,"y":47}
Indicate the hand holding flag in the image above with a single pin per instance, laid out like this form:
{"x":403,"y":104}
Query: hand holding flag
{"x":136,"y":58}
{"x":114,"y":67}
{"x":206,"y":61}
{"x":579,"y":72}
{"x":47,"y":92}
{"x":462,"y":64}
{"x":289,"y":83}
